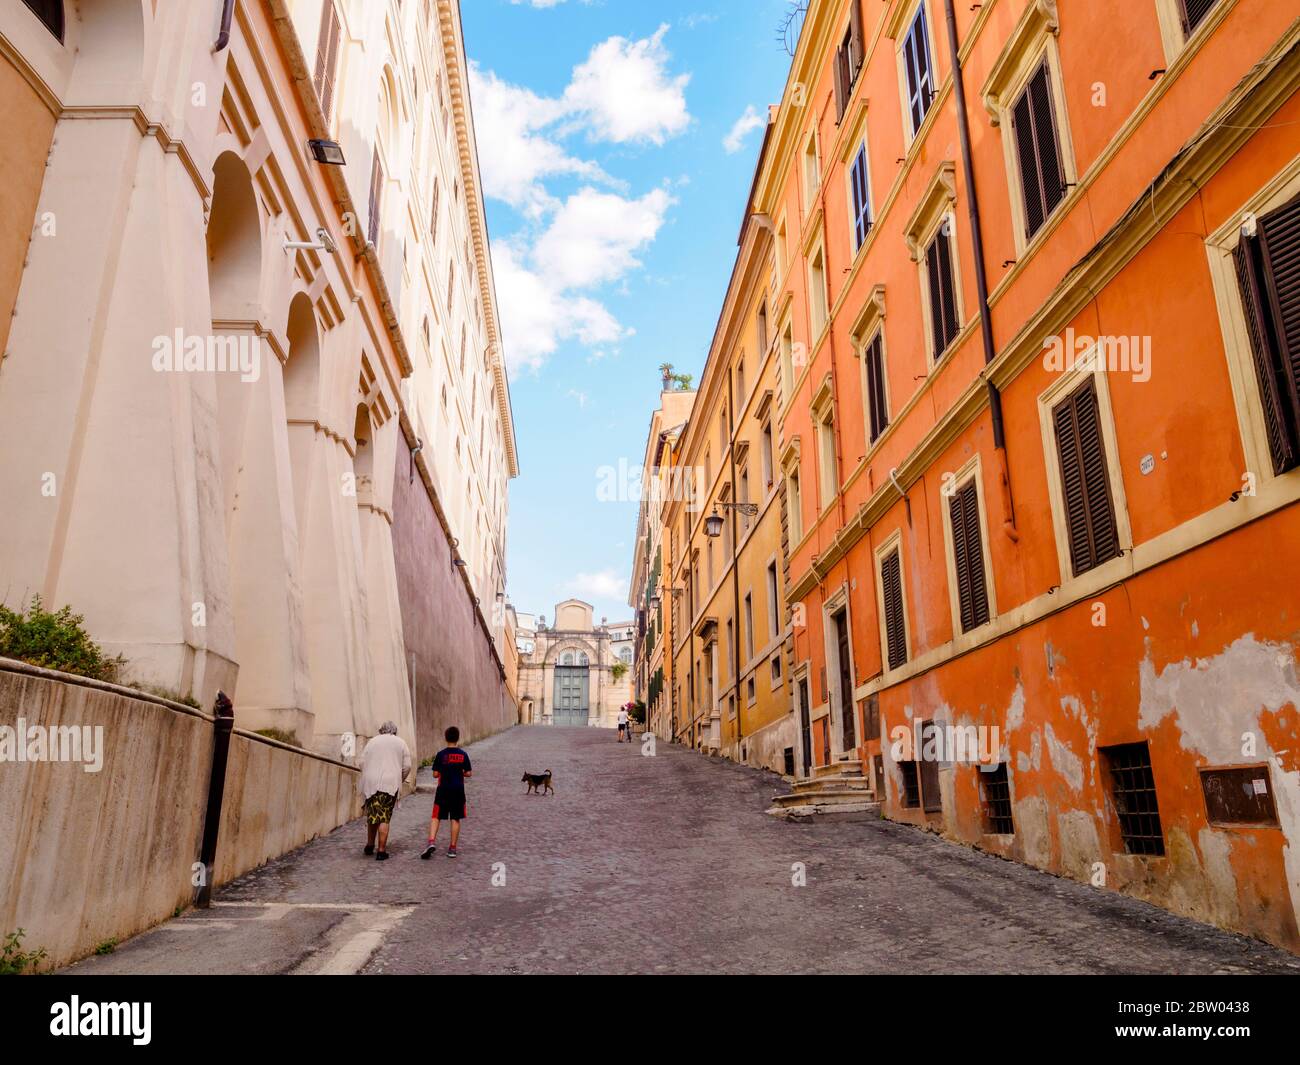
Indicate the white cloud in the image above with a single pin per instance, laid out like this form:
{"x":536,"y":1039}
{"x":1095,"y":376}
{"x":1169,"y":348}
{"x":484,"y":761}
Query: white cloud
{"x":592,"y":239}
{"x":606,"y":584}
{"x":626,"y":94}
{"x":745,"y":125}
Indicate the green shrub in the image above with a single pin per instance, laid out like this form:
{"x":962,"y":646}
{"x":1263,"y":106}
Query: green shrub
{"x":14,"y":960}
{"x":55,"y":641}
{"x":280,"y":736}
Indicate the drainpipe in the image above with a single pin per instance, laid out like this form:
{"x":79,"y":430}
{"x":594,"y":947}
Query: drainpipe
{"x":981,"y":276}
{"x":227,"y":17}
{"x":735,"y":556}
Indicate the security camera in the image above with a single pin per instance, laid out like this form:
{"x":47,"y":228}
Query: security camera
{"x":323,"y":242}
{"x":327,"y":242}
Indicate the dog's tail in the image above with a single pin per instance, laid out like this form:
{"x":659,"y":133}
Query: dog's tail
{"x":548,"y":772}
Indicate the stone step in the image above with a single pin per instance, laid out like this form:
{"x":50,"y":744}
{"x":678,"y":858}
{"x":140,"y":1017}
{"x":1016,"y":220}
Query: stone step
{"x":815,"y":787}
{"x":827,"y":797}
{"x":851,"y":768}
{"x":851,"y":812}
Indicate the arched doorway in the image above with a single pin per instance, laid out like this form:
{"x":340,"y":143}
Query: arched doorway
{"x":572,"y":706}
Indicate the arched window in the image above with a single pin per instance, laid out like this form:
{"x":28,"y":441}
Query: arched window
{"x":583,"y":660}
{"x":49,"y":12}
{"x":566,"y":659}
{"x":626,"y":655}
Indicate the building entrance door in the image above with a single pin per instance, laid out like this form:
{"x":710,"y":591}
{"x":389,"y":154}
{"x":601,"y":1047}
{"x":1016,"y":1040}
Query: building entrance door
{"x":805,"y":726}
{"x":572,"y":693}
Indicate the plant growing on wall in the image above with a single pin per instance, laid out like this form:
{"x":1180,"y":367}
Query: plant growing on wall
{"x":55,"y":641}
{"x":14,"y":960}
{"x":618,"y":671}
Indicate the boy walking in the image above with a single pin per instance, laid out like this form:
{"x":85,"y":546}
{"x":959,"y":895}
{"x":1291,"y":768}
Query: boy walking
{"x":452,"y":768}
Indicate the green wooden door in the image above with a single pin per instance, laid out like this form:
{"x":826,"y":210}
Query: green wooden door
{"x":572,"y":689}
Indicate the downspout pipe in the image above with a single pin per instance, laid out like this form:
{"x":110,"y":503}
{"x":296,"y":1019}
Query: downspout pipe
{"x":227,"y":17}
{"x":981,"y":275}
{"x":735,"y":560}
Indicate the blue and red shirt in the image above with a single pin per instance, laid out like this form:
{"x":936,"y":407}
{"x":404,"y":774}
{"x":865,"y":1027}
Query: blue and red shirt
{"x":451,"y":764}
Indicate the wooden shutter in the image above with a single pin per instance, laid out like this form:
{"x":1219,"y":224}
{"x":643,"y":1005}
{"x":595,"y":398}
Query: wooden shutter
{"x":877,"y":410}
{"x":841,"y":79}
{"x":1038,"y":151}
{"x":376,"y":195}
{"x":1272,"y":392}
{"x":1280,"y":251}
{"x":857,"y":41}
{"x":895,"y":626}
{"x":943,"y":296}
{"x":327,"y":55}
{"x":1194,"y":12}
{"x":968,"y":556}
{"x":1085,"y":485}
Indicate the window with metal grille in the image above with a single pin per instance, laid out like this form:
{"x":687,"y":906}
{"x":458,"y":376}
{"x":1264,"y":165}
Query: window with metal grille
{"x":1193,"y":13}
{"x":891,"y":585}
{"x":968,"y":556}
{"x":1085,"y":482}
{"x":327,"y":57}
{"x":916,"y":65}
{"x":1133,"y":790}
{"x":1038,"y":149}
{"x":995,"y":797}
{"x":877,"y":404}
{"x":911,"y":785}
{"x":1268,"y":273}
{"x":861,"y":198}
{"x":942,"y":288}
{"x":50,"y":12}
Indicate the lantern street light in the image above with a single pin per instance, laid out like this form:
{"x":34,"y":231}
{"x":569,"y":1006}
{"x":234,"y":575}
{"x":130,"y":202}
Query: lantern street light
{"x":713,"y":523}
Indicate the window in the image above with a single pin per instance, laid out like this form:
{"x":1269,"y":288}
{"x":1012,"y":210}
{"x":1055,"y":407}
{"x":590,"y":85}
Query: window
{"x":941,"y":288}
{"x":451,"y":282}
{"x":731,"y":636}
{"x":818,"y":300}
{"x":327,"y":56}
{"x":1038,"y":150}
{"x":740,"y":385}
{"x":1270,"y":289}
{"x":917,"y":71}
{"x":761,"y":332}
{"x":873,"y":359}
{"x":895,"y":623}
{"x":1088,"y":509}
{"x":848,"y":61}
{"x":1193,"y":12}
{"x":749,"y":626}
{"x":829,"y":479}
{"x":858,"y":182}
{"x":376,"y":197}
{"x":794,"y":503}
{"x":911,"y":785}
{"x":433,"y":211}
{"x":773,"y":603}
{"x":1133,"y":790}
{"x":812,"y":171}
{"x":766,"y":455}
{"x":776,"y":671}
{"x":787,"y":364}
{"x":995,"y":798}
{"x":968,"y":556}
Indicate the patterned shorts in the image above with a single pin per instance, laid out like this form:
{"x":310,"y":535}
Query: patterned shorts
{"x":379,"y":808}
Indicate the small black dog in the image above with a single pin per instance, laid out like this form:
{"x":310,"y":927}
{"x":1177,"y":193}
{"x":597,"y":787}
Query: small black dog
{"x":538,"y":782}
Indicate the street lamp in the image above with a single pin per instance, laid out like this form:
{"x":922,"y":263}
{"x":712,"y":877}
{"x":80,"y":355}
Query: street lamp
{"x":713,"y":523}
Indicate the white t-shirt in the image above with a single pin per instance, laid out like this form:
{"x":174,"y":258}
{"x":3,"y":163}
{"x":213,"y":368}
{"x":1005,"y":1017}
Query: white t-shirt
{"x":622,"y":717}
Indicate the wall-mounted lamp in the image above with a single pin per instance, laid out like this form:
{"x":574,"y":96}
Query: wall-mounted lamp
{"x":326,"y":152}
{"x":713,"y":523}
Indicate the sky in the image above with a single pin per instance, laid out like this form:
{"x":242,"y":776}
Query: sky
{"x":617,"y":142}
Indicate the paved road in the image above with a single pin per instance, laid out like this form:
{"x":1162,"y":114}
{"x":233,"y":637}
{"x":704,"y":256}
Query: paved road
{"x":664,"y":864}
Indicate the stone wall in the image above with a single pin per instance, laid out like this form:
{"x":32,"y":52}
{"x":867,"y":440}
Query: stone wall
{"x":86,"y":857}
{"x":452,"y":667}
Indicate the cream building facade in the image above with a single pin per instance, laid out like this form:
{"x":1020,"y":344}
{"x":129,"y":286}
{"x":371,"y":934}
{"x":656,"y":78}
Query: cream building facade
{"x":575,"y":673}
{"x":217,"y":357}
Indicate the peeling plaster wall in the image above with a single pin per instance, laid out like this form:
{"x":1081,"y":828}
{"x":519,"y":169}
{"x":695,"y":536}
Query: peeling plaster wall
{"x":1063,"y":688}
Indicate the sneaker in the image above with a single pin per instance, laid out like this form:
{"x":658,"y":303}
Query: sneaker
{"x":451,"y":852}
{"x":369,"y":850}
{"x":382,"y":856}
{"x":429,"y":852}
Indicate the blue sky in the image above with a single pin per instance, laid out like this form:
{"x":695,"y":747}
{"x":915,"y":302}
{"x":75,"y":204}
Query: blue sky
{"x":616,"y":159}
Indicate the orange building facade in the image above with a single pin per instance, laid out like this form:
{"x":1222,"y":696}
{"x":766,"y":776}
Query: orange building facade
{"x":1036,"y":319}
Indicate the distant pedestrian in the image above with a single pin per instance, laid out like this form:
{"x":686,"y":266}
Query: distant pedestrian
{"x":385,"y":763}
{"x":624,"y":729}
{"x":452,"y":768}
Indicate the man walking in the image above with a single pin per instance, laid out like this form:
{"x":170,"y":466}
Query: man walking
{"x":624,"y":730}
{"x":385,"y":763}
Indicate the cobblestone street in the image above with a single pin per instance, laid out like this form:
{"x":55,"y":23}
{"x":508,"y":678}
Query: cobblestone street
{"x":663,"y":864}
